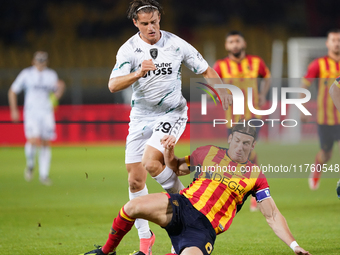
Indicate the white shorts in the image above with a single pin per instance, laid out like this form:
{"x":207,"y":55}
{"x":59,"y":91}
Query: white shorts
{"x":40,"y":124}
{"x":150,"y":132}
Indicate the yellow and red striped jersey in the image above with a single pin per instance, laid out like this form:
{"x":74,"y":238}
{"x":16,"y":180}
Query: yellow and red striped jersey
{"x":243,"y":75}
{"x":326,"y":69}
{"x":219,"y":193}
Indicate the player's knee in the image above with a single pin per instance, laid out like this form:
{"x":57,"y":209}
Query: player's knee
{"x":45,"y":143}
{"x":152,"y":166}
{"x":134,"y":208}
{"x":34,"y":141}
{"x":135,"y":184}
{"x":326,"y":155}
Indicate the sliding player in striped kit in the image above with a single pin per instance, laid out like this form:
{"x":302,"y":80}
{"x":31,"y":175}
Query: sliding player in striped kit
{"x":150,"y":62}
{"x":38,"y":82}
{"x":326,"y":68}
{"x":208,"y":206}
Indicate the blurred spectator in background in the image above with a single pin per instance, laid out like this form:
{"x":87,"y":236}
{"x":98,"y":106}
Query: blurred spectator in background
{"x":242,"y":70}
{"x":38,"y":82}
{"x":328,"y":118}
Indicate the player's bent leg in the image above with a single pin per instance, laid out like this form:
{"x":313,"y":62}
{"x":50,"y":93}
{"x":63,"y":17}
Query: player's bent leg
{"x":137,"y":187}
{"x":152,"y":207}
{"x":153,"y":161}
{"x":322,"y":157}
{"x":30,"y":152}
{"x":45,"y":155}
{"x":326,"y":139}
{"x":136,"y":176}
{"x":192,"y":251}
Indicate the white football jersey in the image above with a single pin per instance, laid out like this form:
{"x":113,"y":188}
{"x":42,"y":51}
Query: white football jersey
{"x":37,"y":86}
{"x":159,"y":91}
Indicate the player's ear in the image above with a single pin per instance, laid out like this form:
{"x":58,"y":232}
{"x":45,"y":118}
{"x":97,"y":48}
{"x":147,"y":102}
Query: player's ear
{"x":225,"y":44}
{"x":135,"y":22}
{"x":230,"y":138}
{"x":253,"y":145}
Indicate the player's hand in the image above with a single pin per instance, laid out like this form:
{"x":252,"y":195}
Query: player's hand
{"x":15,"y":115}
{"x":227,"y":100}
{"x":147,"y":65}
{"x":168,"y":142}
{"x":300,"y":251}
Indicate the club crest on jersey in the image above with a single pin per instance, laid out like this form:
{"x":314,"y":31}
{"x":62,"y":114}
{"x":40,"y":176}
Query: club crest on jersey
{"x":154,"y":53}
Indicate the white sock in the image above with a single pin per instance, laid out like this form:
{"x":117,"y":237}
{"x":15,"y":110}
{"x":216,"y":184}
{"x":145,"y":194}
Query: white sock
{"x":44,"y":161}
{"x":169,"y":181}
{"x":30,"y":151}
{"x":141,"y":224}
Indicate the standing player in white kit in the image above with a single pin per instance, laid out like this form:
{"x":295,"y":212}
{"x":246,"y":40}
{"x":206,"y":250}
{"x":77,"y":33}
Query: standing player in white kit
{"x":38,"y":82}
{"x":151,"y":61}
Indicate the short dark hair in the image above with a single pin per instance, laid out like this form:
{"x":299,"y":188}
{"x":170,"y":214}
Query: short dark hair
{"x":146,"y":6}
{"x":245,"y":129}
{"x":333,"y":30}
{"x":234,"y":32}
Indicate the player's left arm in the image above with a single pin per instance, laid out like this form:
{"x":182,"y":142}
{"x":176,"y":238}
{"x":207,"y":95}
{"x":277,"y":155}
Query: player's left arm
{"x":334,"y":92}
{"x":212,"y":77}
{"x":279,"y":225}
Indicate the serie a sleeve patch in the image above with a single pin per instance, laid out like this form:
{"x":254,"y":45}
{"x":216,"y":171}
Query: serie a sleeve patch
{"x":262,"y":194}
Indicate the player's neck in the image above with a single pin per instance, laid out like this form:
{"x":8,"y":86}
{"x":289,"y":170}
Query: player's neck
{"x":334,"y":56}
{"x":151,"y":42}
{"x":40,"y":68}
{"x":237,"y":59}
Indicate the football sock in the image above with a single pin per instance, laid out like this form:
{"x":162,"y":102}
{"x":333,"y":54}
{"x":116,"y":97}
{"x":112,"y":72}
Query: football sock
{"x":44,"y":161}
{"x":30,"y":151}
{"x":253,"y":157}
{"x":121,"y":225}
{"x":318,"y":161}
{"x":141,"y":224}
{"x":169,"y":181}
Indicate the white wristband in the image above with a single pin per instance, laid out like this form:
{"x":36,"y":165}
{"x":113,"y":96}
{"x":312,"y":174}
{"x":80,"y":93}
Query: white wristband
{"x":293,"y":245}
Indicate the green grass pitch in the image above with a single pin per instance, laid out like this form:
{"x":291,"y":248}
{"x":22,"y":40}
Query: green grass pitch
{"x":90,"y":186}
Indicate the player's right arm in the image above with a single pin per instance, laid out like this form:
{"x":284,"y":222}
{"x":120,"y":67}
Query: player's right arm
{"x":13,"y":105}
{"x":15,"y":89}
{"x":334,"y":92}
{"x":122,"y":82}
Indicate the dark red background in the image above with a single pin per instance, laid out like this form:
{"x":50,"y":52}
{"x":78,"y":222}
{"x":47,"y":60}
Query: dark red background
{"x":13,"y":134}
